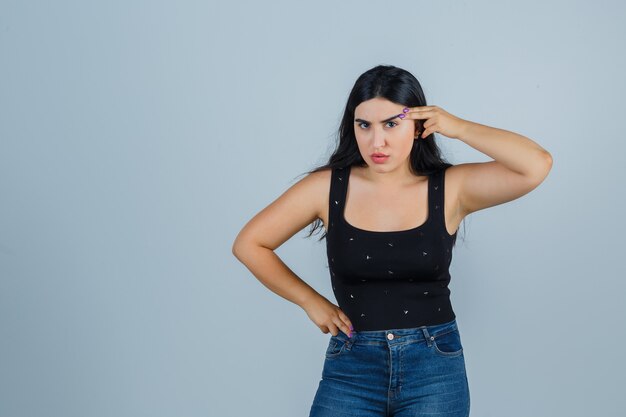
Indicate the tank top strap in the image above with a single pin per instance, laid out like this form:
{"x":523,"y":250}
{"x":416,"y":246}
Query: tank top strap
{"x":435,"y":190}
{"x":338,"y":191}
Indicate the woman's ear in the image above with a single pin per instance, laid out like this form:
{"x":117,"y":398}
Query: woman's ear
{"x":418,"y":128}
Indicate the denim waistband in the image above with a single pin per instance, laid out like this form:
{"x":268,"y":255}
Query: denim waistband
{"x":399,"y":336}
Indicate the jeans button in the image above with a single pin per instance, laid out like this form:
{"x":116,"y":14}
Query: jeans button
{"x":390,"y":336}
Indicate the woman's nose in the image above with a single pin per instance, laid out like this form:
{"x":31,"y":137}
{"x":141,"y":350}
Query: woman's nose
{"x":379,"y":141}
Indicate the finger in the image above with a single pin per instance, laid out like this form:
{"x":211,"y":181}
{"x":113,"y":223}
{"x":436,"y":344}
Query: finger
{"x":419,"y":114}
{"x":346,"y":320}
{"x":420,"y":108}
{"x":333,"y":329}
{"x":349,"y":324}
{"x":342,"y":326}
{"x":430,"y":125}
{"x":343,"y":316}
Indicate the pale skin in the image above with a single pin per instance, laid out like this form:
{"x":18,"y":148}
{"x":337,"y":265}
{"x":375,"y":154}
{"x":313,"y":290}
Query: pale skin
{"x":388,"y":197}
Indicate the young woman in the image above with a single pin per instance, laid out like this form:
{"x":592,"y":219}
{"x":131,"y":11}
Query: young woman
{"x":391,"y":207}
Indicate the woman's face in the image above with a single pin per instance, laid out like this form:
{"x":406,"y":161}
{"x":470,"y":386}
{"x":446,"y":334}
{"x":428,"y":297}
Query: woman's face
{"x":378,"y":130}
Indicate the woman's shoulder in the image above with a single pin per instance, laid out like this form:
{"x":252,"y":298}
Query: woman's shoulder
{"x":453,"y":173}
{"x":320,"y":175}
{"x":317,"y":183}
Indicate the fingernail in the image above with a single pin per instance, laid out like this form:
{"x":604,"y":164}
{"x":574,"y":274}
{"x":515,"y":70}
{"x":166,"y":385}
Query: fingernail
{"x":351,"y":328}
{"x":350,"y":334}
{"x":401,"y":116}
{"x":406,"y":109}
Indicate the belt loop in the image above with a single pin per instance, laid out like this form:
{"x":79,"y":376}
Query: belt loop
{"x":427,"y":337}
{"x":349,"y":342}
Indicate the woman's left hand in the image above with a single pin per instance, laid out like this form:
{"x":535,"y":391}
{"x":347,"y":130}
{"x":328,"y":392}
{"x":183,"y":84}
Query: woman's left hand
{"x":437,"y":120}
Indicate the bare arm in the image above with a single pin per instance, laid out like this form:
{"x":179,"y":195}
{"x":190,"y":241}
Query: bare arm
{"x":519,"y":166}
{"x":268,"y":268}
{"x":255,"y":244}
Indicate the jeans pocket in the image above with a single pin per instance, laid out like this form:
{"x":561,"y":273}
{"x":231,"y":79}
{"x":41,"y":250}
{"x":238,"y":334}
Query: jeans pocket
{"x":335,"y":347}
{"x":448,"y":344}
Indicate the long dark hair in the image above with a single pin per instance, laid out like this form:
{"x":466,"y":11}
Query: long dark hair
{"x":398,"y":86}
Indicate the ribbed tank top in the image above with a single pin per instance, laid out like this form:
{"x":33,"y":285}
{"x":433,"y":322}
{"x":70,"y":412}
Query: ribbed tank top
{"x":390,"y":280}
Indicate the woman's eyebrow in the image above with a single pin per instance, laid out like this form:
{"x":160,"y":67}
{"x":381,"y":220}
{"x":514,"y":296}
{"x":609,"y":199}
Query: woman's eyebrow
{"x":382,"y":121}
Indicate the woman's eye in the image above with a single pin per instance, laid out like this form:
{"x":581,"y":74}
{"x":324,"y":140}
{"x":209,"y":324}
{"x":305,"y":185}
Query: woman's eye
{"x":363,"y":123}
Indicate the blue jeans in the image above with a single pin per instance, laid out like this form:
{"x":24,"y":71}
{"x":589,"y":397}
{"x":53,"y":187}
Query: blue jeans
{"x":418,"y":371}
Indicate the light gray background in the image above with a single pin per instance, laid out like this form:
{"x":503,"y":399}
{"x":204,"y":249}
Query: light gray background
{"x":138,"y":137}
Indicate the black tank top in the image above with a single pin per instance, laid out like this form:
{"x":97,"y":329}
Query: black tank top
{"x":390,"y":280}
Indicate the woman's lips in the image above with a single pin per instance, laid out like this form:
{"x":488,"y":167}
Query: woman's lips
{"x":380,"y":159}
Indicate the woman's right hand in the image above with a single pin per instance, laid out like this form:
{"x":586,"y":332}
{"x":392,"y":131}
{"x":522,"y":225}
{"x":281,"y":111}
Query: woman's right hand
{"x":327,"y":316}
